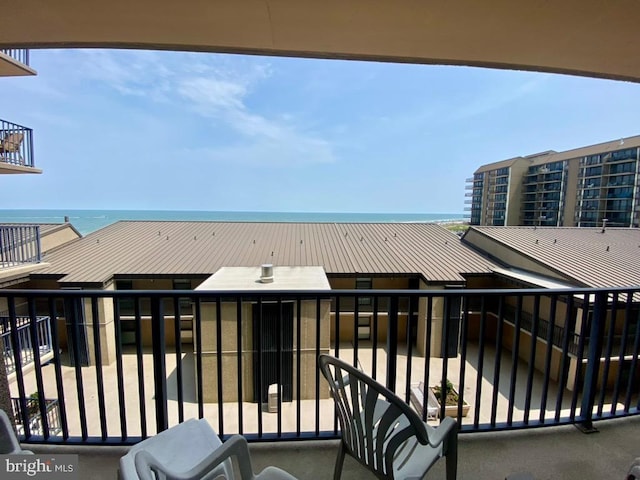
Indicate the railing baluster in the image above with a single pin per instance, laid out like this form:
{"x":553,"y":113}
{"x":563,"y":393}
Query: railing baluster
{"x":596,"y":333}
{"x":35,"y":346}
{"x":463,"y":358}
{"x":569,"y":328}
{"x":140,"y":367}
{"x":198,"y":347}
{"x":299,"y":366}
{"x":120,"y":369}
{"x":532,"y":357}
{"x":219,"y":376}
{"x":177,"y":328}
{"x":634,"y":367}
{"x":53,"y":315}
{"x":547,"y":360}
{"x":159,"y":363}
{"x":75,"y":319}
{"x":481,"y":341}
{"x":240,"y":351}
{"x":515,"y":358}
{"x":392,"y":343}
{"x":95,"y":321}
{"x":623,"y":351}
{"x":609,"y":351}
{"x":498,"y":359}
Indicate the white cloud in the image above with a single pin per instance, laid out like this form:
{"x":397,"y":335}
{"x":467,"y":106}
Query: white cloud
{"x":216,"y":88}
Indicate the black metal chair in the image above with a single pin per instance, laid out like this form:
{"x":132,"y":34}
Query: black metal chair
{"x":381,"y":431}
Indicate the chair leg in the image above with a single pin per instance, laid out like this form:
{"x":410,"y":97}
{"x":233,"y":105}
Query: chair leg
{"x":339,"y":462}
{"x":452,"y":456}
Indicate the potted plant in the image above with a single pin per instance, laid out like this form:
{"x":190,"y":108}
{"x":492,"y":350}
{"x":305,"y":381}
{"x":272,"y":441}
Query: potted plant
{"x":451,"y":399}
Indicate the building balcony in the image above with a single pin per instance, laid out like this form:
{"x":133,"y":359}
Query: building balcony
{"x":19,"y":247}
{"x":15,"y":62}
{"x":16,"y":149}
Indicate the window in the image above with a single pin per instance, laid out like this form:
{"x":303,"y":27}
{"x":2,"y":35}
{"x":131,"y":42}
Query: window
{"x":364,"y":327}
{"x":126,"y":304}
{"x":183,"y":284}
{"x":364,"y":284}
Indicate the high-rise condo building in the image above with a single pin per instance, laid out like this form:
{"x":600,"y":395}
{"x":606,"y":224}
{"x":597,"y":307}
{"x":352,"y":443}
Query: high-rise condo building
{"x":584,"y":187}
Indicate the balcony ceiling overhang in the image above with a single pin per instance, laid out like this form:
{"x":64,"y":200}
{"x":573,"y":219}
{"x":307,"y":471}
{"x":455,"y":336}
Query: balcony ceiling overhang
{"x":583,"y":37}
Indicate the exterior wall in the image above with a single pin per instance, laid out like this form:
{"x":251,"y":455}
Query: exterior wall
{"x":106,"y":329}
{"x":347,"y":306}
{"x":229,"y":353}
{"x":57,"y":238}
{"x":513,"y":214}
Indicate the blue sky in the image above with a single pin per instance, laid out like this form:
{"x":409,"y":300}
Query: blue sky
{"x":194,"y":131}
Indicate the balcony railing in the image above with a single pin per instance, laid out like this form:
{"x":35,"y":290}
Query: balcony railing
{"x":19,"y":245}
{"x":17,"y":340}
{"x":28,"y":412}
{"x":519,"y":358}
{"x":19,"y":54}
{"x":16,"y":144}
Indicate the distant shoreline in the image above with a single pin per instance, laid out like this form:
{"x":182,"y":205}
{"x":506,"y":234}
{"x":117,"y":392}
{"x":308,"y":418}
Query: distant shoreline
{"x":87,"y":221}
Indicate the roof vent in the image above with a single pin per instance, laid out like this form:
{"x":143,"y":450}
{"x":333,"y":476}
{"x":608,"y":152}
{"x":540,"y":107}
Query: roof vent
{"x":266,"y":275}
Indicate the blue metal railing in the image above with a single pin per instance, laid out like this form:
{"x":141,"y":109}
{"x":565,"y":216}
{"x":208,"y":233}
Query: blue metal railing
{"x":19,"y":245}
{"x":501,"y":349}
{"x":19,"y":54}
{"x":16,"y":144}
{"x":24,"y":346}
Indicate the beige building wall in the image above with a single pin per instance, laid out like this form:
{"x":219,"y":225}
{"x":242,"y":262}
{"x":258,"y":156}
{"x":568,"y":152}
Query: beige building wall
{"x":229,"y":353}
{"x":57,"y":237}
{"x":571,"y":194}
{"x":513,"y":214}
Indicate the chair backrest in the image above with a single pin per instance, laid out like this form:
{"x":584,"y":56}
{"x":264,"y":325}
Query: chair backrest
{"x":8,"y":441}
{"x":375,"y":423}
{"x":11,"y":142}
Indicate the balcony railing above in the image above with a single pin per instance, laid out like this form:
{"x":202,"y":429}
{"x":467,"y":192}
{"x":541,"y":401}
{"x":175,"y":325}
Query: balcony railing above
{"x":19,"y":245}
{"x":19,"y":54}
{"x":16,"y":145}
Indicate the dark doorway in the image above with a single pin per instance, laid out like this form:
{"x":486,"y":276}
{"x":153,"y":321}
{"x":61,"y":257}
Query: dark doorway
{"x":275,"y":327}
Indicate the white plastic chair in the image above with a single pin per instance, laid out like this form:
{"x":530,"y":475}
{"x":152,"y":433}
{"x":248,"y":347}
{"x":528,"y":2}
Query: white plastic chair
{"x":191,"y":451}
{"x":9,"y":444}
{"x":236,"y":446}
{"x":381,"y":431}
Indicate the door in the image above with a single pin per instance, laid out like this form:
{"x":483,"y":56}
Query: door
{"x":275,"y":327}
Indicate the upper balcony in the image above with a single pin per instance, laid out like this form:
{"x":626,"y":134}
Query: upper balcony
{"x":20,"y":248}
{"x":16,"y":149}
{"x":15,"y":62}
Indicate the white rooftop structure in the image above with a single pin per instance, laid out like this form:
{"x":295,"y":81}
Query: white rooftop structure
{"x":284,"y":278}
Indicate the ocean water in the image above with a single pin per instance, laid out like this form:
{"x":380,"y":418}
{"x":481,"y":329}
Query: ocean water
{"x":87,"y":221}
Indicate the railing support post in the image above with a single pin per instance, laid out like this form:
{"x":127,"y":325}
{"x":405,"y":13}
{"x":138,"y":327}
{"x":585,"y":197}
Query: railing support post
{"x":596,"y":334}
{"x":159,"y":364}
{"x":392,"y":344}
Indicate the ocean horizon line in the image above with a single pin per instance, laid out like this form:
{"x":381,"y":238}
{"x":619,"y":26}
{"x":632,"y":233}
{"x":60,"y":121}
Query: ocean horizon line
{"x":90,"y":220}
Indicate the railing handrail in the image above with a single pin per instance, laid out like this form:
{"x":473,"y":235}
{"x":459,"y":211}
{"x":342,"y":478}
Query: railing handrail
{"x":471,"y":320}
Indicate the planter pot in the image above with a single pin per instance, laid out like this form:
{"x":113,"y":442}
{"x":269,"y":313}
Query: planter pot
{"x":449,"y":410}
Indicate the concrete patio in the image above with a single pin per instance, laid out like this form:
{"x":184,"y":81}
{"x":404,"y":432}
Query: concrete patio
{"x":549,"y":454}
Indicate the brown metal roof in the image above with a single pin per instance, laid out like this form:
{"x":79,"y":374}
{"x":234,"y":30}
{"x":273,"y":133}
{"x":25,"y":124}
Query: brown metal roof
{"x":193,"y":248}
{"x":586,"y":255}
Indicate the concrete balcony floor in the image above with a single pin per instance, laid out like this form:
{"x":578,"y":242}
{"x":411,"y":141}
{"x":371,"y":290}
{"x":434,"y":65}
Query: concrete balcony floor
{"x":551,"y":453}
